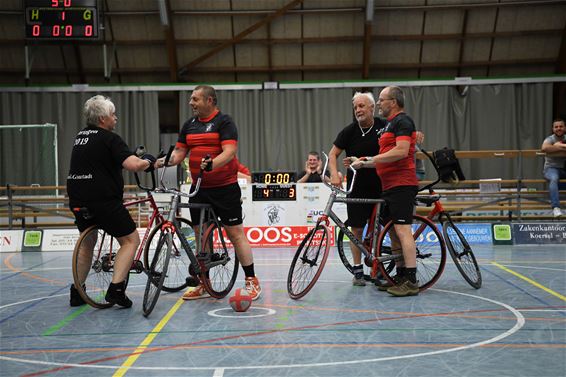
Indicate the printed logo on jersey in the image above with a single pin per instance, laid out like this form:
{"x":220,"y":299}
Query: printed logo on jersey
{"x":209,"y":127}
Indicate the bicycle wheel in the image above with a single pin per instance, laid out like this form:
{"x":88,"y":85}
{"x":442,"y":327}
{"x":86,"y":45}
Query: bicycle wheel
{"x":431,"y":252}
{"x":157,"y":270}
{"x":178,"y":271}
{"x":462,"y":254}
{"x":308,"y":262}
{"x":93,"y":261}
{"x":219,"y":263}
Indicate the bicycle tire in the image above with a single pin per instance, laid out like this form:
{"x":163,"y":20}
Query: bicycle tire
{"x":178,"y":270}
{"x":219,"y":279}
{"x":157,"y":271}
{"x":431,"y":251}
{"x":462,"y":254}
{"x":308,"y":262}
{"x":91,"y":280}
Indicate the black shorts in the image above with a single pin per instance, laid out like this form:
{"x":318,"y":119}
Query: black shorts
{"x":225,"y":200}
{"x":399,"y":204}
{"x":359,"y":214}
{"x":112,"y":216}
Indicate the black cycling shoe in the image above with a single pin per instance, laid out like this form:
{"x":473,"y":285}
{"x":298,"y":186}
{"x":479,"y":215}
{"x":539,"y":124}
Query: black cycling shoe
{"x":76,"y":299}
{"x":116,"y":294}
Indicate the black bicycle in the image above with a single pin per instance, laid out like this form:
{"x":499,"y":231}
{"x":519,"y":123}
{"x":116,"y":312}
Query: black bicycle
{"x":212,"y":260}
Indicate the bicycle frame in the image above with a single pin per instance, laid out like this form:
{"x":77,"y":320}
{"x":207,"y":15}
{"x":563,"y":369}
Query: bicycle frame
{"x":329,"y":213}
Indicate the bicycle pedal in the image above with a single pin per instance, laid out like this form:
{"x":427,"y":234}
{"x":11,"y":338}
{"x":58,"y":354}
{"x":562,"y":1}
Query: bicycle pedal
{"x":215,"y":257}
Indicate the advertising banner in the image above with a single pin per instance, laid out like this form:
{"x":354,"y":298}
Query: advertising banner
{"x":277,"y":236}
{"x":59,"y":239}
{"x":32,"y":240}
{"x":10,"y":240}
{"x":538,"y":234}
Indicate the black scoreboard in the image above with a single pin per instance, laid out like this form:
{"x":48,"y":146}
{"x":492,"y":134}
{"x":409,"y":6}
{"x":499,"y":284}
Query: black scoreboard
{"x":62,"y":19}
{"x":274,"y":186}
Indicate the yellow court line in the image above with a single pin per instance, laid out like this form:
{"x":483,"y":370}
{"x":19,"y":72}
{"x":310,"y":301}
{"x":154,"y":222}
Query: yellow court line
{"x":548,"y":290}
{"x":147,"y":341}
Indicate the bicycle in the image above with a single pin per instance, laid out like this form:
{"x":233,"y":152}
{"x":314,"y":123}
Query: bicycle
{"x":95,"y":252}
{"x":312,"y":253}
{"x":215,"y":264}
{"x":458,"y":247}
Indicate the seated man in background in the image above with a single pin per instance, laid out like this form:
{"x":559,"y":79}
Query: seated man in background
{"x":313,"y":170}
{"x":554,"y":163}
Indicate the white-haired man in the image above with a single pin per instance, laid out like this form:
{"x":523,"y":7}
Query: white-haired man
{"x":95,"y":182}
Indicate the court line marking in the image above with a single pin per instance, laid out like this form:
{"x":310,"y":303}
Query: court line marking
{"x":126,"y":365}
{"x":536,"y":268}
{"x":531,"y":281}
{"x":519,"y":323}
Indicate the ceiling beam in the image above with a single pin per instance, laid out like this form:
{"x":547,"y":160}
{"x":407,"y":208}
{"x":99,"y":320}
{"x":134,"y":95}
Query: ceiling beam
{"x":169,"y":33}
{"x":240,"y":36}
{"x":247,"y":13}
{"x":335,"y":39}
{"x":306,"y":68}
{"x":461,"y":53}
{"x":367,"y":39}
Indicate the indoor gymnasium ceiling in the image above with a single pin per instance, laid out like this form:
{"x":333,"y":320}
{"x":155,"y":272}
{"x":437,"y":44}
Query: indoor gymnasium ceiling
{"x":165,"y":41}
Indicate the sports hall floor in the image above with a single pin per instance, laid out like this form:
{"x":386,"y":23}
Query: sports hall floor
{"x":513,"y":326}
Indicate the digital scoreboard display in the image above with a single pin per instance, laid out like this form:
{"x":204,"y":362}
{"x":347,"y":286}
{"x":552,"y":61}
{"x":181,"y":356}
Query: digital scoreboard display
{"x":274,"y":192}
{"x":62,"y":19}
{"x":274,"y":177}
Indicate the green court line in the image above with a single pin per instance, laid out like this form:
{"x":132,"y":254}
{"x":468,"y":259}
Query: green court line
{"x":66,"y":320}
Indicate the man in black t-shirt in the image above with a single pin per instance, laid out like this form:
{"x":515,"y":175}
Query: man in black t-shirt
{"x":95,"y":182}
{"x":360,"y":138}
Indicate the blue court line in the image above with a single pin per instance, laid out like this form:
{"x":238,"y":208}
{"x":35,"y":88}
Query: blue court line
{"x":31,"y":305}
{"x":27,"y":269}
{"x":521,"y":289}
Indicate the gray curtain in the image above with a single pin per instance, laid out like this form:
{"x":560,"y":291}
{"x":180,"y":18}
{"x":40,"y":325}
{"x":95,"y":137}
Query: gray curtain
{"x":138,"y":123}
{"x":278,"y":128}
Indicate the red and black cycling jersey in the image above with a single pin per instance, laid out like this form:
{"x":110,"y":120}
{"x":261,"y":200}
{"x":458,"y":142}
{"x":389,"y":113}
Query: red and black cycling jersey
{"x":401,"y":172}
{"x":206,"y":137}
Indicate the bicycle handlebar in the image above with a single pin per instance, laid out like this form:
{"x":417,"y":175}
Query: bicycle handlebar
{"x":334,"y":188}
{"x":140,"y":151}
{"x":164,"y":189}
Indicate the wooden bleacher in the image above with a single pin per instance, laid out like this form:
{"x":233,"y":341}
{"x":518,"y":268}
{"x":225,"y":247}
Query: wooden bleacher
{"x":517,"y":200}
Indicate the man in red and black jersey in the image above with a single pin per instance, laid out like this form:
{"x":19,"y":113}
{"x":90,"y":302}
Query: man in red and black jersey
{"x":210,"y":132}
{"x":395,"y":165}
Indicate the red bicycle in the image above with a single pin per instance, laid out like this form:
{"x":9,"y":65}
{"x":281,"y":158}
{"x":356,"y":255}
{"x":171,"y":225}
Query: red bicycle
{"x":95,"y":253}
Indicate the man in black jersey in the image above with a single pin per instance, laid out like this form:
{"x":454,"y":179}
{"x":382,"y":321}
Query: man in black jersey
{"x":95,"y":182}
{"x":358,"y":139}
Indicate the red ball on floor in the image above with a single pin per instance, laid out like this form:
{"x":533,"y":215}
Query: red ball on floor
{"x":241,"y":301}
